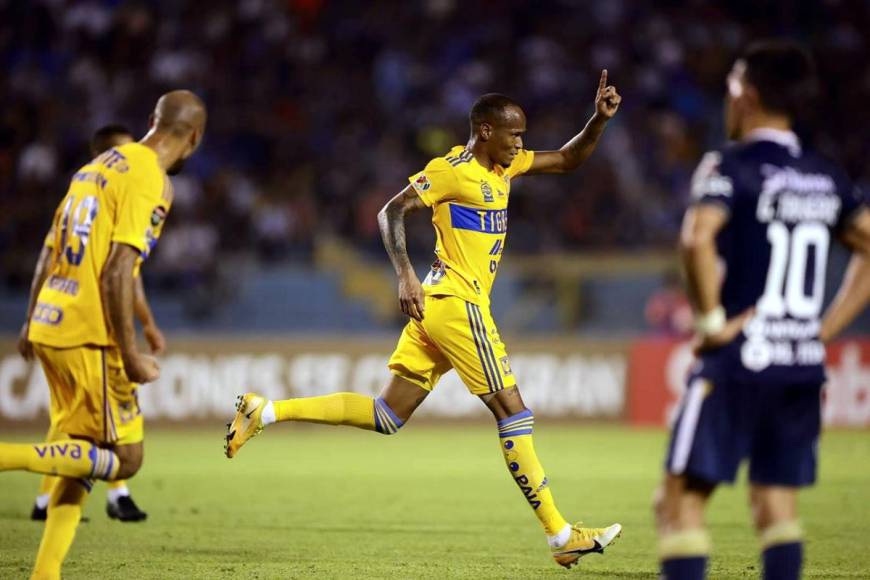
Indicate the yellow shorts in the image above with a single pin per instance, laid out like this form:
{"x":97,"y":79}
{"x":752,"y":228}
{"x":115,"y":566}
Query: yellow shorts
{"x":91,"y":395}
{"x":454,"y":334}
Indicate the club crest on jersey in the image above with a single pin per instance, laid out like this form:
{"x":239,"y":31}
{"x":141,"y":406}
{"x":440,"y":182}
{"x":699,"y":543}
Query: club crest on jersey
{"x":422,"y":183}
{"x":486,"y":190}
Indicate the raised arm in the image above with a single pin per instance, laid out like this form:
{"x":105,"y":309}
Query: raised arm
{"x":116,"y":289}
{"x":701,"y":225}
{"x":854,"y":292}
{"x":574,"y":152}
{"x":43,"y":266}
{"x":391,"y":221}
{"x":153,"y":334}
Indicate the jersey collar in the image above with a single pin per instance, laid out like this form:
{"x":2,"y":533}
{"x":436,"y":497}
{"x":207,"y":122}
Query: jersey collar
{"x":787,"y":139}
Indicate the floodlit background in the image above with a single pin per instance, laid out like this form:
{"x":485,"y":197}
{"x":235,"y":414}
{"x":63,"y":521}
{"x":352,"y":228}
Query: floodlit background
{"x":271,"y":276}
{"x":320,"y":110}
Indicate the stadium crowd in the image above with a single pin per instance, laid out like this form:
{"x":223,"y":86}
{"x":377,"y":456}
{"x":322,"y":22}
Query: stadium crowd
{"x":321,"y":109}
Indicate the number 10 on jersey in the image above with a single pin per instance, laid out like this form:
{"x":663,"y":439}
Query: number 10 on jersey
{"x":795,"y":285}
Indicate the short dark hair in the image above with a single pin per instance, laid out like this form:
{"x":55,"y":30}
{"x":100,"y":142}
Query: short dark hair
{"x":102,"y":137}
{"x":489,"y":108}
{"x":783,"y":73}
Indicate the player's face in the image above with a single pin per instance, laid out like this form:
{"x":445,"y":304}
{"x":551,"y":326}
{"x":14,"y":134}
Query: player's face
{"x":735,"y":100}
{"x":506,"y":138}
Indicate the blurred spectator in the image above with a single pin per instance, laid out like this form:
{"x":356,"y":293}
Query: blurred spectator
{"x":668,"y":311}
{"x":319,"y":110}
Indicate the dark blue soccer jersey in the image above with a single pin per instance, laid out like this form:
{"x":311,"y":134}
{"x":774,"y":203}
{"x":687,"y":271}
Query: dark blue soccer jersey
{"x":784,"y":205}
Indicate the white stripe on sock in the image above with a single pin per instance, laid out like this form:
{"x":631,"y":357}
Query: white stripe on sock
{"x":268,"y":416}
{"x":560,"y":539}
{"x":114,"y":493}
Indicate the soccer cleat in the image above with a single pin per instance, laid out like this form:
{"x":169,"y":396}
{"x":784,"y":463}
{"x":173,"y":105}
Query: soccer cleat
{"x":246,"y":424}
{"x":585,"y":541}
{"x":38,"y":514}
{"x":125,"y":509}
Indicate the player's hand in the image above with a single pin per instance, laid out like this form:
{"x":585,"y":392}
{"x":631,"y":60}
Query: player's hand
{"x":25,"y":347}
{"x":141,"y":368}
{"x":606,"y":99}
{"x":155,"y":339}
{"x":733,"y":327}
{"x":411,"y":297}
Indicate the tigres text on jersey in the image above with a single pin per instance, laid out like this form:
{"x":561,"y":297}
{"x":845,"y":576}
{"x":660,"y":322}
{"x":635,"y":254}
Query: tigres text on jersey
{"x":469,"y":212}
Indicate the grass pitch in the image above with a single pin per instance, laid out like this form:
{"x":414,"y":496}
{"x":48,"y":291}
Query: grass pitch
{"x":430,"y":502}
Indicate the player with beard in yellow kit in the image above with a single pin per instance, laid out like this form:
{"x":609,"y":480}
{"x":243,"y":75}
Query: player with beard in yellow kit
{"x":82,"y":326}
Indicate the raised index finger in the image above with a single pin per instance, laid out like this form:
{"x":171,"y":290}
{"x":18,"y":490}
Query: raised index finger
{"x":602,"y":82}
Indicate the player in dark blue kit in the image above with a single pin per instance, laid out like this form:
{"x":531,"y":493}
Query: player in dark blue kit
{"x":767,"y":209}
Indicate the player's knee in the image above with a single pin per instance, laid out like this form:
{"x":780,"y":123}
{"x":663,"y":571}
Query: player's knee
{"x":386,"y":420}
{"x":680,"y":501}
{"x":504,"y":403}
{"x":128,"y":469}
{"x":130,"y":459}
{"x":772,"y":506}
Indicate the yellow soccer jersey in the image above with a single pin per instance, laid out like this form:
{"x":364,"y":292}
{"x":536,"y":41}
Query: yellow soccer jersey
{"x":121,"y":196}
{"x":469,"y":212}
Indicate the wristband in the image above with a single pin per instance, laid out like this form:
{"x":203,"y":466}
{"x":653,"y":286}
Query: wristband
{"x":711,"y":323}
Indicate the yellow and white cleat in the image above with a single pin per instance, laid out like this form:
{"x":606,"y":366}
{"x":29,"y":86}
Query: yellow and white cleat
{"x":585,"y":541}
{"x":247,"y":423}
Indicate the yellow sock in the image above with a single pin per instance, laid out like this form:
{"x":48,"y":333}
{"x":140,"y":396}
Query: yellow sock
{"x":340,"y":409}
{"x":515,"y":434}
{"x":74,"y":458}
{"x":64,"y":514}
{"x":118,"y":484}
{"x":46,"y":484}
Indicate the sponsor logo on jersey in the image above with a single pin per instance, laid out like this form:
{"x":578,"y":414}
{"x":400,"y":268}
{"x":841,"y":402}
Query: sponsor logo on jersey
{"x":61,"y":284}
{"x":47,"y":314}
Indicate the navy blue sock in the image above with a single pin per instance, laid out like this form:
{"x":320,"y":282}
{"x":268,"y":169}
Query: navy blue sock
{"x":783,"y":561}
{"x":689,"y":568}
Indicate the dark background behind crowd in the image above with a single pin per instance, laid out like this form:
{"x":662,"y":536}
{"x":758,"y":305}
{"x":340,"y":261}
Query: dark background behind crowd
{"x":319,"y":110}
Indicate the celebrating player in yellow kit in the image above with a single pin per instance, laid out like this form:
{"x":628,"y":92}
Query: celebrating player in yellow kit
{"x":451,"y":325}
{"x":119,"y":504}
{"x":82,"y":325}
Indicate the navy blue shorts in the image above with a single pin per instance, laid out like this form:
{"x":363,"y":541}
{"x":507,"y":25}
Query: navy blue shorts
{"x":727,"y":416}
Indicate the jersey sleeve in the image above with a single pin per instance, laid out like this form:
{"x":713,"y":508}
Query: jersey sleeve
{"x":436,"y":183}
{"x":139,"y":205}
{"x":711,"y":182}
{"x":521,"y":163}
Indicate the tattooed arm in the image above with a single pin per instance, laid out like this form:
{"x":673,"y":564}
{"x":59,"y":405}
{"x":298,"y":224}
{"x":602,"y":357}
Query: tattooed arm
{"x":391,"y":221}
